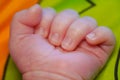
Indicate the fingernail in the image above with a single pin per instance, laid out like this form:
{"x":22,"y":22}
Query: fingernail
{"x":91,"y":36}
{"x":55,"y":37}
{"x":67,"y":42}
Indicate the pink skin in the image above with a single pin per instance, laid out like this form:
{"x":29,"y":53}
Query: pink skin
{"x":49,"y":46}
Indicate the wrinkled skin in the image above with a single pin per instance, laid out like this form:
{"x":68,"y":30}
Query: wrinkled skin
{"x":49,"y":46}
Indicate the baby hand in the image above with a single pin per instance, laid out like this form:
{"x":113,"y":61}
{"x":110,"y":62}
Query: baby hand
{"x":49,"y":46}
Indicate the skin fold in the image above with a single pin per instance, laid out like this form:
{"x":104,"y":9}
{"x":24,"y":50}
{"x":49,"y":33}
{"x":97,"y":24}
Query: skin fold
{"x":50,"y":46}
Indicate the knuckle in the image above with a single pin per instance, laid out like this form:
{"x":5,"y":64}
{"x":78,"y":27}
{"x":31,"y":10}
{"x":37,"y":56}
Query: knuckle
{"x":84,"y":24}
{"x":51,"y":10}
{"x":70,"y":13}
{"x":89,"y":21}
{"x":105,"y":29}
